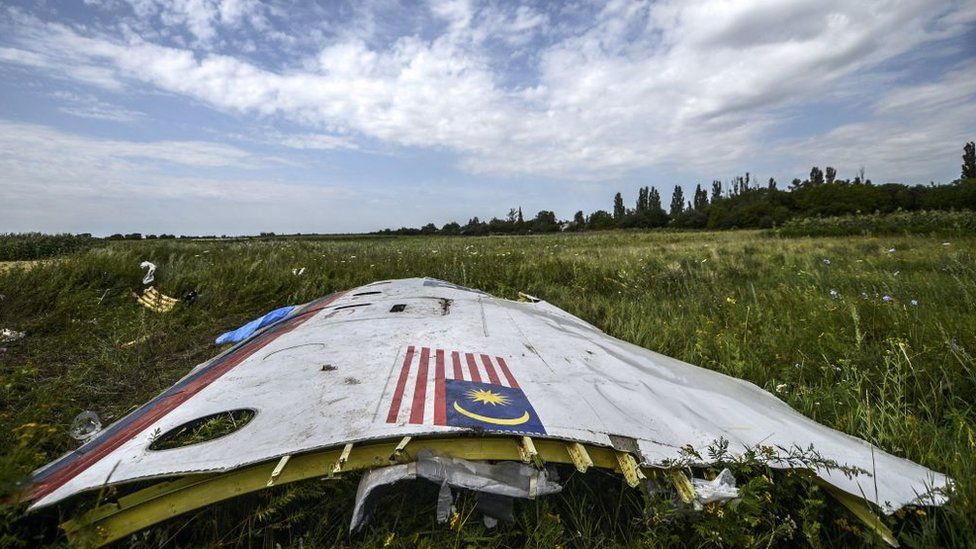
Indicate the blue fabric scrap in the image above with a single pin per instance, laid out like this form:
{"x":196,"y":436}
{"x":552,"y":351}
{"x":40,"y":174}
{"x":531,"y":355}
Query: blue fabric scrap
{"x":248,"y":329}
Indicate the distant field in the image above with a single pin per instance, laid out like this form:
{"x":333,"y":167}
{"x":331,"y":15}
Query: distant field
{"x":804,"y":318}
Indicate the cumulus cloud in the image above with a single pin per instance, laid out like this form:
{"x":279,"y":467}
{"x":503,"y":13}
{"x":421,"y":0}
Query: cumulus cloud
{"x":914,"y":129}
{"x":598,"y":91}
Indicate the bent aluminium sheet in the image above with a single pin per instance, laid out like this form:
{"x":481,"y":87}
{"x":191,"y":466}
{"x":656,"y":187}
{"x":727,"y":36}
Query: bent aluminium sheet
{"x":422,"y":357}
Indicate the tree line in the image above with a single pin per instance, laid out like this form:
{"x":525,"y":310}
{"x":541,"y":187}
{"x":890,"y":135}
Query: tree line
{"x":742,"y":202}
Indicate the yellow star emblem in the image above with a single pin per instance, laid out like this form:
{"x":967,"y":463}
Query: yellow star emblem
{"x":487,"y":397}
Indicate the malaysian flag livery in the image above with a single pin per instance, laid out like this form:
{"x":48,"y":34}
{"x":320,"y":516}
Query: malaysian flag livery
{"x":470,"y":390}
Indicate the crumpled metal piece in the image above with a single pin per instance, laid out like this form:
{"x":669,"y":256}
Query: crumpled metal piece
{"x":721,"y":488}
{"x":150,"y":274}
{"x":445,"y":503}
{"x":7,"y":335}
{"x":85,"y":426}
{"x":496,"y":484}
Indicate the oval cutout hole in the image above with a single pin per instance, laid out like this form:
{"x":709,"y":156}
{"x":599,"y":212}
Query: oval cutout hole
{"x":203,"y":429}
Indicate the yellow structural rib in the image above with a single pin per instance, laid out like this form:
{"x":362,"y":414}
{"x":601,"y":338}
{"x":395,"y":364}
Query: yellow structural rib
{"x":157,"y":503}
{"x":142,"y":509}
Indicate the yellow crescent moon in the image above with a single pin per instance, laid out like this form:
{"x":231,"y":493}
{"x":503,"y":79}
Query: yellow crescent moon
{"x":494,"y":420}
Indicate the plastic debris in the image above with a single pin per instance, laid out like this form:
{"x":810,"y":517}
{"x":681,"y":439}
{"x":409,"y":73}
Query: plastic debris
{"x":721,"y":488}
{"x":135,"y":341}
{"x":85,"y":426}
{"x":7,"y":335}
{"x":245,"y":331}
{"x":155,"y":301}
{"x":496,"y":484}
{"x":445,"y":503}
{"x":191,"y":297}
{"x":150,"y":274}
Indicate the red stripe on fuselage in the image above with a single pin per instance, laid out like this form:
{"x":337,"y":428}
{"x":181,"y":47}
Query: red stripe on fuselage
{"x":472,"y":367}
{"x":420,"y":390}
{"x":492,"y":375}
{"x":456,"y":359}
{"x":440,"y":411}
{"x":508,"y":374}
{"x":391,"y":417}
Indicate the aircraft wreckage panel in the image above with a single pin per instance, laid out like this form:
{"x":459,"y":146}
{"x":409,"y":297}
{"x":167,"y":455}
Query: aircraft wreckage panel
{"x":421,"y":357}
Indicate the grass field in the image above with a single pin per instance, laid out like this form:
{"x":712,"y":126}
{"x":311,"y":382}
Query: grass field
{"x":807,"y":319}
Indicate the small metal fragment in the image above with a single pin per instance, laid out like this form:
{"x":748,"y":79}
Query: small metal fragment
{"x":278,"y":469}
{"x":628,"y":466}
{"x":343,"y":458}
{"x":579,"y":455}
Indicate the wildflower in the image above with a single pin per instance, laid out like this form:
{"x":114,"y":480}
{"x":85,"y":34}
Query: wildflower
{"x":945,"y":243}
{"x":780,"y":387}
{"x":834,"y":294}
{"x":896,"y":273}
{"x":886,"y":298}
{"x":914,"y":303}
{"x":730,"y":300}
{"x":864,"y":295}
{"x":826,"y":261}
{"x":891,"y":250}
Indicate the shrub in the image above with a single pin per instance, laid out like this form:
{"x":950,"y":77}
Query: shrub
{"x":921,"y":222}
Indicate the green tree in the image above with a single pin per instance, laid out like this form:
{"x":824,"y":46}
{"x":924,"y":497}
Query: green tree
{"x":600,"y":219}
{"x":677,"y":201}
{"x":816,"y":176}
{"x":701,"y":199}
{"x":545,"y":222}
{"x":969,"y":161}
{"x":830,"y":174}
{"x":641,"y":205}
{"x":716,"y":190}
{"x":619,"y":211}
{"x":579,"y":222}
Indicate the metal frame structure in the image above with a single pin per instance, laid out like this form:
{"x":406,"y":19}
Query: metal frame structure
{"x":144,"y":508}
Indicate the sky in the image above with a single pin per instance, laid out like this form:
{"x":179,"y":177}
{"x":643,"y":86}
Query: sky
{"x":245,"y":116}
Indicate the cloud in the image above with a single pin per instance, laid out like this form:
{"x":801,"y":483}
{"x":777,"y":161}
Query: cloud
{"x":31,"y":148}
{"x":908,"y":137}
{"x":89,"y":106}
{"x":59,"y":181}
{"x":600,"y":90}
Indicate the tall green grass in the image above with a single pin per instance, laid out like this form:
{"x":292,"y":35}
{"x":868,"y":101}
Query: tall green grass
{"x":898,"y":373}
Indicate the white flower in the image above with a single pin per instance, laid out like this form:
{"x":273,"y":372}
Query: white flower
{"x":826,"y":261}
{"x":914,"y":303}
{"x":891,"y":250}
{"x":834,"y":294}
{"x":896,"y":273}
{"x":886,"y":298}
